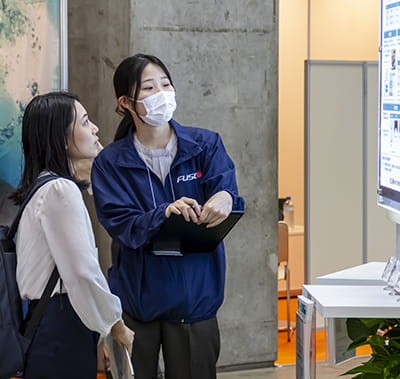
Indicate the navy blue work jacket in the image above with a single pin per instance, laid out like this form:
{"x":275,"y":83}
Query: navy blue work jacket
{"x":130,"y":203}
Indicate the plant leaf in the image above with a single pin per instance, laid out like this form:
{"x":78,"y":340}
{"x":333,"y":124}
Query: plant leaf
{"x":358,"y":331}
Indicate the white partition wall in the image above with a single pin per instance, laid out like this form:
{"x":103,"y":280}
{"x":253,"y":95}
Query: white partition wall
{"x":334,"y":167}
{"x":343,"y":225}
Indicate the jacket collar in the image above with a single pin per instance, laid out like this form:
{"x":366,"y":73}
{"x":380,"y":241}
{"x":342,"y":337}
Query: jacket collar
{"x":187,"y":148}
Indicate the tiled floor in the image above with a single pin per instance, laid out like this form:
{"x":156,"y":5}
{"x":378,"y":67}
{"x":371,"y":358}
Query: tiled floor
{"x":324,"y":371}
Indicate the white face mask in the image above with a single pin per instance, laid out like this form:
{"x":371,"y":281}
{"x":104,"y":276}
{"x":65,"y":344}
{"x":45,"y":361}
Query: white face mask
{"x":159,"y":107}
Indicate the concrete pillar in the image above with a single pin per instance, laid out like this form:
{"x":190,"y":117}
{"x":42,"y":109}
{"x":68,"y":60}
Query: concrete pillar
{"x":98,"y":39}
{"x":223,"y":59}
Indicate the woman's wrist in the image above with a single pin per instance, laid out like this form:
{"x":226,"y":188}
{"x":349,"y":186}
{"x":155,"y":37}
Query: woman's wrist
{"x":117,"y":328}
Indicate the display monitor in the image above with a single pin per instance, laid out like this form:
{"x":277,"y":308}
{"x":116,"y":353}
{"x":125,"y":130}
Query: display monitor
{"x":389,"y":107}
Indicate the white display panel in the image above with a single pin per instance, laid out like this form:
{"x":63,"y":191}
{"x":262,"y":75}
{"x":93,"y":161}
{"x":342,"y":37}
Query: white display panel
{"x":389,"y":107}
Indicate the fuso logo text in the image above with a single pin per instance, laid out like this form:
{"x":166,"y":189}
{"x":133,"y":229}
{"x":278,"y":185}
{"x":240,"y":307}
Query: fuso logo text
{"x":189,"y":177}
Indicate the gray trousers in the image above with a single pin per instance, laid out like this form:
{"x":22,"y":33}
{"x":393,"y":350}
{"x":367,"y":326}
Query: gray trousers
{"x":190,"y":351}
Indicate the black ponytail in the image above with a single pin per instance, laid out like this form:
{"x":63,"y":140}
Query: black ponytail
{"x":123,"y":127}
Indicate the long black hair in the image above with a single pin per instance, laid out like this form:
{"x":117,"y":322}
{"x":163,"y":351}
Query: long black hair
{"x":46,"y":124}
{"x":128,"y":77}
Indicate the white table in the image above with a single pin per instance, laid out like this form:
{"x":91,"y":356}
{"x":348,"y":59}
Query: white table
{"x":368,"y":274}
{"x":339,"y":302}
{"x":352,"y":292}
{"x":335,"y":301}
{"x":365,"y":274}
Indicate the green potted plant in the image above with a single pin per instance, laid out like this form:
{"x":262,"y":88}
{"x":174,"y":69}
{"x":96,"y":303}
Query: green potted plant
{"x":383,"y":336}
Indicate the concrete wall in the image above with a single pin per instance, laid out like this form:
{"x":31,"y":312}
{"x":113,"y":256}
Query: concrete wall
{"x":98,"y":39}
{"x":223,"y":59}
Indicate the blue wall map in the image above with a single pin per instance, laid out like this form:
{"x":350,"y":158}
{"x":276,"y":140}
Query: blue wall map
{"x":29,"y":65}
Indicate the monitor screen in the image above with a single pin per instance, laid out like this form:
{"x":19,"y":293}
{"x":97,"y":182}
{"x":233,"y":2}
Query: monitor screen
{"x":389,"y":107}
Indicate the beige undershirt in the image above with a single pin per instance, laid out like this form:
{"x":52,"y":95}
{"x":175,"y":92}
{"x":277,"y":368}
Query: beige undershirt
{"x":158,"y":160}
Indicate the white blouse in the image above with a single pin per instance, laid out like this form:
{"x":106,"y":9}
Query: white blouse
{"x":55,"y":228}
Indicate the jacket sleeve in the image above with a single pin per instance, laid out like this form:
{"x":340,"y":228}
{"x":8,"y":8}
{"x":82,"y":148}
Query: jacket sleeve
{"x":219,"y":173}
{"x":119,"y":213}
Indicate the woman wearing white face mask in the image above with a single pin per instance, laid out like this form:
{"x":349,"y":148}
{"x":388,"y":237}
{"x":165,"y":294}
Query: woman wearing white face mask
{"x":156,"y":167}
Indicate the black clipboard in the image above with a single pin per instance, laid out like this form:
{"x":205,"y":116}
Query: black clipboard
{"x":177,"y":236}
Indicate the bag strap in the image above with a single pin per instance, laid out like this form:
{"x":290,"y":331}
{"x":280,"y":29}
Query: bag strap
{"x":45,"y":298}
{"x":39,"y":309}
{"x":38,"y":183}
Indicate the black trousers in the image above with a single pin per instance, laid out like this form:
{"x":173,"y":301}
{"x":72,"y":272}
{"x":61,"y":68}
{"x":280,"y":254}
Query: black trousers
{"x":63,"y":347}
{"x":190,"y":351}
